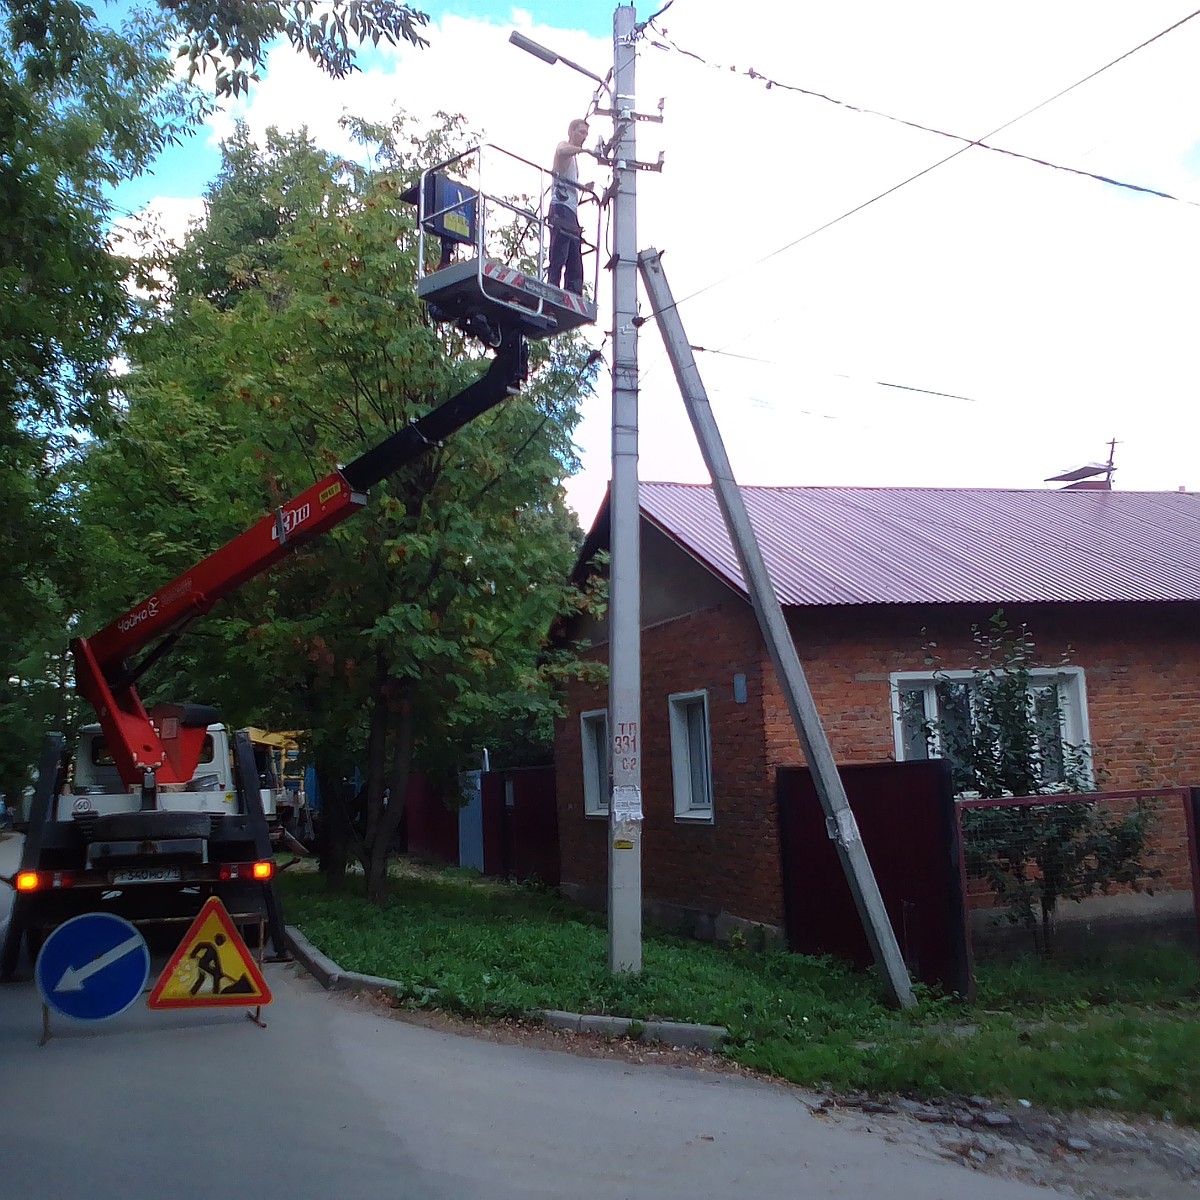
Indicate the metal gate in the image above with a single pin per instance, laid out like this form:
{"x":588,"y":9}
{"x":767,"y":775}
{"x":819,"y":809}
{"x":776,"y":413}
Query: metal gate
{"x":470,"y":821}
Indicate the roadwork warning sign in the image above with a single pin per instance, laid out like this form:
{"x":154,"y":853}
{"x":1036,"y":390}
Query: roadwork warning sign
{"x":211,"y":968}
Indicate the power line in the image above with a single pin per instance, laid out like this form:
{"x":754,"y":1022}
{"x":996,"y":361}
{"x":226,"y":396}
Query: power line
{"x":885,"y":383}
{"x":904,"y":387}
{"x":729,"y":354}
{"x":751,"y":73}
{"x":654,"y":16}
{"x":933,"y":166}
{"x":908,"y":387}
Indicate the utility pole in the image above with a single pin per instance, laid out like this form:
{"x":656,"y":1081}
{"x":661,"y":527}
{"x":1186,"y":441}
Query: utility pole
{"x":625,"y":604}
{"x":625,"y":583}
{"x":839,"y":819}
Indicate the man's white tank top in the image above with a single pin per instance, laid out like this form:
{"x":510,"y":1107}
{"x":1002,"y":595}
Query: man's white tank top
{"x":563,"y":192}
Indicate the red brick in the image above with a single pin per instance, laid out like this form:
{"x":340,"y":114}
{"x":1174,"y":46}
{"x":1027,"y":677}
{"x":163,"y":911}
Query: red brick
{"x":1142,"y":674}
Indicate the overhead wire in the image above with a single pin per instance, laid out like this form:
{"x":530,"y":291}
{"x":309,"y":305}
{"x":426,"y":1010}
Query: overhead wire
{"x":751,"y":73}
{"x":904,"y":387}
{"x":932,"y":166}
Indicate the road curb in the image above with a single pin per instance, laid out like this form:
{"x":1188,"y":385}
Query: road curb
{"x":681,"y":1034}
{"x":323,"y":969}
{"x":672,"y":1033}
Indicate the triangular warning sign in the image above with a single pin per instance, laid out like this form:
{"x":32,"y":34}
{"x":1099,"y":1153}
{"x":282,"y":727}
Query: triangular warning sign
{"x":211,"y":968}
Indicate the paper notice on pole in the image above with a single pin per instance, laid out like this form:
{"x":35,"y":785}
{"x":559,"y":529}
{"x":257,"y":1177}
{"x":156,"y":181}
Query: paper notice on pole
{"x":627,"y":803}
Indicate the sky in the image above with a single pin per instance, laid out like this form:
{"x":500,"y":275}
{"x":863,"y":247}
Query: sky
{"x":991,"y":323}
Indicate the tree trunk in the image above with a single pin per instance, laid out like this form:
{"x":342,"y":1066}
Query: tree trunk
{"x":1048,"y":927}
{"x":333,"y":839}
{"x":377,"y":738}
{"x":377,"y":890}
{"x":376,"y":843}
{"x":393,"y":814}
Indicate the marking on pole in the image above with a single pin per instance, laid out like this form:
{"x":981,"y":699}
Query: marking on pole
{"x":211,"y":968}
{"x":92,"y":967}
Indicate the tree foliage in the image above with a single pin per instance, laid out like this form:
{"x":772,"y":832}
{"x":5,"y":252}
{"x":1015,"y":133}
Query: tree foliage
{"x":1010,"y":741}
{"x":82,"y":108}
{"x":231,"y":37}
{"x":293,"y":339}
{"x":85,"y":106}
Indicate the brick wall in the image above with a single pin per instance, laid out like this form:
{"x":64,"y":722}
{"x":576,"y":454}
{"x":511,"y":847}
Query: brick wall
{"x":1141,"y":665}
{"x":1142,"y":678}
{"x":731,"y":865}
{"x":1166,"y":849}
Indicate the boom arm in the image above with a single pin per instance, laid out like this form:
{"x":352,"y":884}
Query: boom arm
{"x":102,"y":674}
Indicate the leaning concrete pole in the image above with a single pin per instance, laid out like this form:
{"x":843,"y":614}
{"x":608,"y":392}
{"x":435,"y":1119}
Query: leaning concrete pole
{"x":839,"y":819}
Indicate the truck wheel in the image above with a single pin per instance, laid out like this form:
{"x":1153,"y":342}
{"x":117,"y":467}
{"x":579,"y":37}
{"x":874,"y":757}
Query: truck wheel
{"x":139,"y":826}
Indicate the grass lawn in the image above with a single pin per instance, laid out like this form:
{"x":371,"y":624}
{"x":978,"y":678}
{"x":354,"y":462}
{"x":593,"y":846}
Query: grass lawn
{"x":1121,"y":1034}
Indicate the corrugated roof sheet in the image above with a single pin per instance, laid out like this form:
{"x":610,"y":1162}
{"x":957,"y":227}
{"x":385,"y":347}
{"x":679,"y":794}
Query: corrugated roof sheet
{"x":948,"y":545}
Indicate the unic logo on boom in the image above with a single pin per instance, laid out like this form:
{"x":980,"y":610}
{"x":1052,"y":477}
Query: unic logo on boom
{"x":151,"y":608}
{"x":148,"y":610}
{"x":291,"y":518}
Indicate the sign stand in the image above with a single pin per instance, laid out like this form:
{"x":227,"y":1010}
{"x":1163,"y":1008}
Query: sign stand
{"x":256,"y":1015}
{"x":91,"y":968}
{"x":228,"y":947}
{"x":212,"y":967}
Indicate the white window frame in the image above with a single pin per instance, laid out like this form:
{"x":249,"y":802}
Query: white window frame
{"x":682,"y":756}
{"x":1072,"y":697}
{"x":595,"y":767}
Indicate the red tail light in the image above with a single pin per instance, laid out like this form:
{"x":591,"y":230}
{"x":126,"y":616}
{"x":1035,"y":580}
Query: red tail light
{"x":260,"y":871}
{"x":36,"y":881}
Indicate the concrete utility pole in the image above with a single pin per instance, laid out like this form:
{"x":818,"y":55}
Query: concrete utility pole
{"x":839,"y":819}
{"x":625,"y":584}
{"x":625,"y":606}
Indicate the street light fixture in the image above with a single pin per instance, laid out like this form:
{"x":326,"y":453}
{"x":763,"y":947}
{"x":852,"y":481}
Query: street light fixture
{"x":547,"y":55}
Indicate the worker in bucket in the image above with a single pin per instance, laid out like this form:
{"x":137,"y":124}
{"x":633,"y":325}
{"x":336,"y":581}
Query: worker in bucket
{"x":566,"y":233}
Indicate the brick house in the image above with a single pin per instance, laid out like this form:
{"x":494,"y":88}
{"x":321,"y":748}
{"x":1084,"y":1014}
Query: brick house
{"x":870,"y":578}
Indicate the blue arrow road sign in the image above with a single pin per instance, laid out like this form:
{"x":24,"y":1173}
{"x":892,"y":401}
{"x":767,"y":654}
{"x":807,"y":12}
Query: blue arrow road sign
{"x":92,"y":967}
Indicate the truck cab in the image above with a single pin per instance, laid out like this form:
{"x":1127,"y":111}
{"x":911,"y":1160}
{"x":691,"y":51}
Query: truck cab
{"x":152,"y":854}
{"x":94,"y":784}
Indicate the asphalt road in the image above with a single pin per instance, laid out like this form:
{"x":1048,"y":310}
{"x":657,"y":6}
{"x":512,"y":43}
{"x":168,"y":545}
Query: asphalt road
{"x":334,"y":1098}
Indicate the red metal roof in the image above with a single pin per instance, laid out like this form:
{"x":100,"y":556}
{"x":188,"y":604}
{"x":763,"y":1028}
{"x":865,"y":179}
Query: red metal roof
{"x":947,"y":545}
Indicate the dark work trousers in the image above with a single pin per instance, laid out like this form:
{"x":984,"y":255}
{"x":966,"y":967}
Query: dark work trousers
{"x":566,"y":249}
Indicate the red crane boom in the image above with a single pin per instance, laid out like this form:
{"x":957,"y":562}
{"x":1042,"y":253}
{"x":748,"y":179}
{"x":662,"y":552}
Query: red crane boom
{"x":142,"y":741}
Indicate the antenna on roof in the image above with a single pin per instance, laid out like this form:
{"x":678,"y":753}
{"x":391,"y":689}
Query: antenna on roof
{"x":1087,"y":478}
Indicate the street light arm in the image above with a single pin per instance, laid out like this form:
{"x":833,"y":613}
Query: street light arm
{"x":582,"y":70}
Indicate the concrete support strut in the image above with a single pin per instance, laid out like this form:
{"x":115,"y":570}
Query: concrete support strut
{"x":843,"y":828}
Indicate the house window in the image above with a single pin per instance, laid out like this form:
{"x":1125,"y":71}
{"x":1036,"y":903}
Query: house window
{"x":933,"y":714}
{"x":691,"y":760}
{"x":594,"y":728}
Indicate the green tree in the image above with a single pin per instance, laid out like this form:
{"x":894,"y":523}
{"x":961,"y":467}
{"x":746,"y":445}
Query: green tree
{"x":82,"y":108}
{"x":1003,"y":731}
{"x":409,"y":636}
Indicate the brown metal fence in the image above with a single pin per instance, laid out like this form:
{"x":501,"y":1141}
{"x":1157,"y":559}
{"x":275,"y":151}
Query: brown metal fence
{"x":1080,"y":871}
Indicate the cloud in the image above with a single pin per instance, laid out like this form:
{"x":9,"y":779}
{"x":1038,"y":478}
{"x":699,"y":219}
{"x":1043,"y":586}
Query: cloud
{"x":166,"y":218}
{"x":1064,"y":309}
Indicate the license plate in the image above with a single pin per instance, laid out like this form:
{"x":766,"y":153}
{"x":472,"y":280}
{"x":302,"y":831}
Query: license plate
{"x":148,"y":875}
